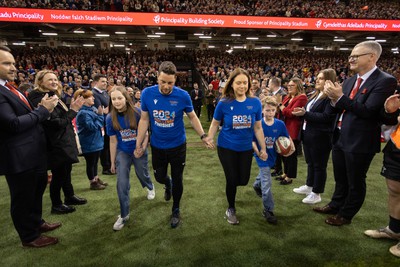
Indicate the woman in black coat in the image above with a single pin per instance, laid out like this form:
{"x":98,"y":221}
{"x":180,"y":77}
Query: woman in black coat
{"x":62,"y":150}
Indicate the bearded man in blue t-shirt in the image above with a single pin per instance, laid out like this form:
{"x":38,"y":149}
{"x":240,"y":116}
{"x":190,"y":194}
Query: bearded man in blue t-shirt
{"x":163,"y":106}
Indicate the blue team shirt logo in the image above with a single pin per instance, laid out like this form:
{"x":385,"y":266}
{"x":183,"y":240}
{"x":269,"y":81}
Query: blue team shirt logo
{"x":164,"y":118}
{"x":128,"y":135}
{"x":241,"y":121}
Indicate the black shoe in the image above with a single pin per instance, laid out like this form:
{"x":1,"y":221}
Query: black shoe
{"x":75,"y":200}
{"x":168,"y":191}
{"x":107,"y":172}
{"x":175,"y":218}
{"x":270,"y":217}
{"x":286,"y":182}
{"x":257,"y":190}
{"x":276,"y":173}
{"x":62,"y":209}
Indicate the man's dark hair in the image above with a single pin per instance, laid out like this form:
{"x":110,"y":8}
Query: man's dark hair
{"x":5,"y":48}
{"x":97,"y":77}
{"x":167,"y":67}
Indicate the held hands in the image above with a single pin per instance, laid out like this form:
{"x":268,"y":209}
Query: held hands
{"x":392,"y":103}
{"x":77,"y":103}
{"x":263,"y":155}
{"x":139,"y":151}
{"x":333,"y":90}
{"x":299,"y":111}
{"x":208,"y":142}
{"x":49,"y":102}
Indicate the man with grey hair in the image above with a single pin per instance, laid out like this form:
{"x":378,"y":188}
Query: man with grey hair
{"x":357,"y":132}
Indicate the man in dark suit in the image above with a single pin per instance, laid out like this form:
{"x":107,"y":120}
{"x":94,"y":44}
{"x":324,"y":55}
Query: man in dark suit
{"x":23,"y":155}
{"x":101,"y":98}
{"x":197,"y":99}
{"x":356,"y":137}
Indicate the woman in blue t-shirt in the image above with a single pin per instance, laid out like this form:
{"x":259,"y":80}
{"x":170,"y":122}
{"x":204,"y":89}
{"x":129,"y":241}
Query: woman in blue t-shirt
{"x":242,"y":117}
{"x":121,"y":125}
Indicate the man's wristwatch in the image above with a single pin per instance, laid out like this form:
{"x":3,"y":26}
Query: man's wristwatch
{"x":203,"y":135}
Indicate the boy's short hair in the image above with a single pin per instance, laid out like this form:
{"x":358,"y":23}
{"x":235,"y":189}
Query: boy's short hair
{"x":270,"y":100}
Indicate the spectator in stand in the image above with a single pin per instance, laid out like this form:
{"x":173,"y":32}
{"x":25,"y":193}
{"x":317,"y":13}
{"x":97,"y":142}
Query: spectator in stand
{"x":68,"y":96}
{"x":210,"y":102}
{"x":101,"y":100}
{"x":62,"y":150}
{"x":294,"y":99}
{"x":316,"y":135}
{"x":196,"y":95}
{"x":215,"y":82}
{"x":255,"y":89}
{"x":90,"y":122}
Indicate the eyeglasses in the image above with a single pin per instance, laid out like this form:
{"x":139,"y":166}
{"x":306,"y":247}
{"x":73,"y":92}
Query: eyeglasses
{"x":355,"y":57}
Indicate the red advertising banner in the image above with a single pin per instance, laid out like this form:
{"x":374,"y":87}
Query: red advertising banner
{"x":192,"y":20}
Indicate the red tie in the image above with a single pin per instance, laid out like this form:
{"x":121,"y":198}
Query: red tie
{"x":352,"y":94}
{"x":17,"y":93}
{"x":355,"y":90}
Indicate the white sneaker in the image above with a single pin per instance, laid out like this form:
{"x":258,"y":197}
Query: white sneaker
{"x":151,"y":194}
{"x":304,"y":189}
{"x":120,"y":222}
{"x":312,"y":198}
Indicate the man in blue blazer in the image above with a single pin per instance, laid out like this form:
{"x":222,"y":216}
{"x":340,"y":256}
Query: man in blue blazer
{"x":357,"y":132}
{"x":23,"y":155}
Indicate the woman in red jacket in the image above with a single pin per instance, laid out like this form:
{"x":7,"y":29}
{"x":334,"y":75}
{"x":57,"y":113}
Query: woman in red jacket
{"x":295,"y":98}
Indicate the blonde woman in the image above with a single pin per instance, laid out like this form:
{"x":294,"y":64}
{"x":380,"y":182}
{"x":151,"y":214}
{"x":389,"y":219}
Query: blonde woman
{"x":62,"y":150}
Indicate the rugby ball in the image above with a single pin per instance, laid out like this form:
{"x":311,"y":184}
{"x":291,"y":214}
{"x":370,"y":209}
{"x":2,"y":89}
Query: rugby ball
{"x":284,"y":146}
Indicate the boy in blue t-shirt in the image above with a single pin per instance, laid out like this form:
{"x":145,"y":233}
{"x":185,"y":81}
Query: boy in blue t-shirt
{"x":273,"y":128}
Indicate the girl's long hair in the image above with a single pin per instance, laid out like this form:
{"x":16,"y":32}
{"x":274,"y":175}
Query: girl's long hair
{"x":130,"y":113}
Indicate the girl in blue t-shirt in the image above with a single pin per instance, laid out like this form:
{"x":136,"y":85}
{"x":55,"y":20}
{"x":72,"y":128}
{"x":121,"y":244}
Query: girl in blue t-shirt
{"x":121,"y":124}
{"x":242,"y":118}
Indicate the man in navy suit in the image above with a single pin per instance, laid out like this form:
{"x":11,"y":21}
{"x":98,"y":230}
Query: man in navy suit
{"x":356,"y":137}
{"x":197,"y":99}
{"x":23,"y":155}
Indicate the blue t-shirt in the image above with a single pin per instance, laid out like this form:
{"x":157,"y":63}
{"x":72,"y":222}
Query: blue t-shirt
{"x":166,"y":116}
{"x":239,"y":118}
{"x":271,"y":133}
{"x":126,"y":137}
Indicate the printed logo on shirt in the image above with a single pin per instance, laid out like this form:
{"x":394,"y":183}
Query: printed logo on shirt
{"x":173,"y":102}
{"x":164,"y":118}
{"x":128,"y":135}
{"x":231,"y":108}
{"x":241,"y":121}
{"x":155,"y":101}
{"x":249,"y":107}
{"x":269,"y":142}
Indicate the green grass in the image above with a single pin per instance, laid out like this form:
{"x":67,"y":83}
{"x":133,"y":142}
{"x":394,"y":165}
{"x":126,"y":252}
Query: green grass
{"x":301,"y":237}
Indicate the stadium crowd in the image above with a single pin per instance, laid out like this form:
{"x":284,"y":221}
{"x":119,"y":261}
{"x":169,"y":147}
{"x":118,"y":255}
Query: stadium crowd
{"x":363,"y":9}
{"x":76,"y":67}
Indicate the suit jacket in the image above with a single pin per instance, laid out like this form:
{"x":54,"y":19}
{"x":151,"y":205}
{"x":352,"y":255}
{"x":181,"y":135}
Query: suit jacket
{"x":199,"y":100}
{"x":293,"y":123}
{"x":22,"y":139}
{"x":361,"y":124}
{"x":321,"y":117}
